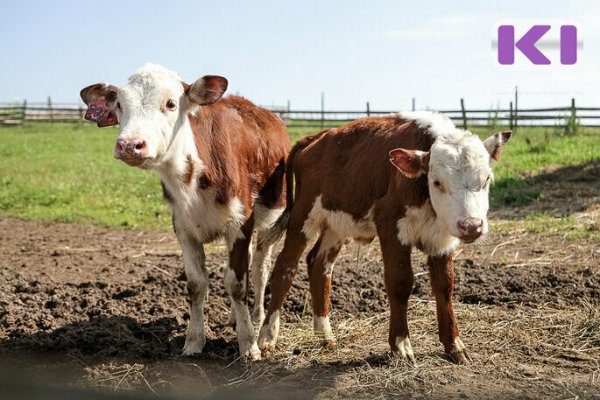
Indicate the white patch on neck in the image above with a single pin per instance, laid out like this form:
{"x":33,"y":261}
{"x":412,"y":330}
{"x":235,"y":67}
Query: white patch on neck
{"x":420,"y":225}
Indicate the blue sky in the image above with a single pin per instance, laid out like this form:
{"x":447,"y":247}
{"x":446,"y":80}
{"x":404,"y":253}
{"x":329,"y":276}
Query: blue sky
{"x":385,"y":52}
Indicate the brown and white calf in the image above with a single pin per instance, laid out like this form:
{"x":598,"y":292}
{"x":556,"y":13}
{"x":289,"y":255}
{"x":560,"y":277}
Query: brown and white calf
{"x":347,"y":187}
{"x":222,"y":166}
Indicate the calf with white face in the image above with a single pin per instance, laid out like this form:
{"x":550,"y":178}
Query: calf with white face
{"x":205,"y":148}
{"x":458,"y":176}
{"x":346,"y":187}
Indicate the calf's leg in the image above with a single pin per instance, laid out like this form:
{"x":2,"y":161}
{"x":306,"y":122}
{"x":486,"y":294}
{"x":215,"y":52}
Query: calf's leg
{"x":320,"y":262}
{"x":236,"y":285}
{"x":399,"y":281}
{"x":197,"y":285}
{"x":283,"y":274}
{"x":441,"y":272}
{"x":259,"y":271}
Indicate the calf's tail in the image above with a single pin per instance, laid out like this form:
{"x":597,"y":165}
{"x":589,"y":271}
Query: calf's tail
{"x":280,"y":226}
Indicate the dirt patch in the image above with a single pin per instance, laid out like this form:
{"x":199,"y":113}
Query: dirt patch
{"x":562,"y":191}
{"x":108,"y":309}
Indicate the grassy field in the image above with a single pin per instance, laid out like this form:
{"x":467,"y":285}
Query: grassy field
{"x":66,"y":172}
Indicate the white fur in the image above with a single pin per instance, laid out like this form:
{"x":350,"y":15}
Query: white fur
{"x":243,"y":322}
{"x":459,"y":346}
{"x":342,"y":223}
{"x":322,"y":327}
{"x":193,"y":260}
{"x":144,"y":116}
{"x":460,"y":162}
{"x":265,"y":218}
{"x":260,"y":276}
{"x":421,"y":225}
{"x":328,"y":268}
{"x":233,"y":231}
{"x":329,"y":240}
{"x":269,"y":332}
{"x":436,"y":123}
{"x":405,"y":348}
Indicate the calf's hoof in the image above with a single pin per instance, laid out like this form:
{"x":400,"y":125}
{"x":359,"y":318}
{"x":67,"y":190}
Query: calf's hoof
{"x":403,"y":349}
{"x":460,"y":357}
{"x":251,"y":353}
{"x":266,"y":344}
{"x":267,"y":336}
{"x":254,"y":356}
{"x":458,"y":353}
{"x":329,"y":344}
{"x":193,"y":346}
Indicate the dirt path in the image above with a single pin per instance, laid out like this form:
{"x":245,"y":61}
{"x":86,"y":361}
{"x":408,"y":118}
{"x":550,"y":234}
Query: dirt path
{"x":107,"y":308}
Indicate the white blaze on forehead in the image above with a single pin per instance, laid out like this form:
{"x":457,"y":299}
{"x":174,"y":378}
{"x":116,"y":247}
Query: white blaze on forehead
{"x":455,"y":152}
{"x":462,"y":160}
{"x":151,"y":72}
{"x":151,"y":84}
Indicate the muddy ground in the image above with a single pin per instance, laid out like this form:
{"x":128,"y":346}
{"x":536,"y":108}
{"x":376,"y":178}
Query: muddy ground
{"x":88,"y":307}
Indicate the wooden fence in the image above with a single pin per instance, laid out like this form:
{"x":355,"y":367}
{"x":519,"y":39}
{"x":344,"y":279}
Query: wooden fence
{"x":17,"y":114}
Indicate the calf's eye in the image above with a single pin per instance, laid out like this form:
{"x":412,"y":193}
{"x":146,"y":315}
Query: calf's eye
{"x":171,"y":105}
{"x":487,"y":181}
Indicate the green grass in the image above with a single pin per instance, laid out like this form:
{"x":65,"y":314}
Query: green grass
{"x":529,"y":150}
{"x":66,"y":172}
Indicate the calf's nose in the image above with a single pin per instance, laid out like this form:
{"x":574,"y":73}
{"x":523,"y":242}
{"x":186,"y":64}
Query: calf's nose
{"x":470,"y":228}
{"x":132,"y":148}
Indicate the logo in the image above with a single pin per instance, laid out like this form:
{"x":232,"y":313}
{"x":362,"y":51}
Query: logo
{"x":530,"y":45}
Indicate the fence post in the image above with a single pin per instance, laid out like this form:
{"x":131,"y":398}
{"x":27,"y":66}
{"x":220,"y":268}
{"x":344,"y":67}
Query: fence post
{"x":50,"y":109}
{"x":464,"y":113}
{"x":516,"y":123}
{"x":368,"y":109}
{"x":322,"y":110}
{"x":81,"y":116}
{"x":413,"y":104}
{"x":24,"y":112}
{"x":510,"y":116}
{"x":573,"y":110}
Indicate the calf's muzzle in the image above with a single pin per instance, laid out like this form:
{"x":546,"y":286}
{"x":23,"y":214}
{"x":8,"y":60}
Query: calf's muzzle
{"x":131,"y":151}
{"x":470,"y":229}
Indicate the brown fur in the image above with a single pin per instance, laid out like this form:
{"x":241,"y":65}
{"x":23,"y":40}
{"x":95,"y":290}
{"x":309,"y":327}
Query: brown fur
{"x":189,"y":172}
{"x":349,"y":167}
{"x":241,"y":146}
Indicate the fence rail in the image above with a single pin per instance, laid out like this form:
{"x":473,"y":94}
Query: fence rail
{"x":17,"y":114}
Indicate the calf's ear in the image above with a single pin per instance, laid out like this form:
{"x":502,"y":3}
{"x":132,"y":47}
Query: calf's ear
{"x":100,"y":99}
{"x":495,"y":143}
{"x":412,"y":163}
{"x":206,"y":90}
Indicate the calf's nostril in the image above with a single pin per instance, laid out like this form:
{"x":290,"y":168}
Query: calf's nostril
{"x":470,"y":227}
{"x":120,"y":145}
